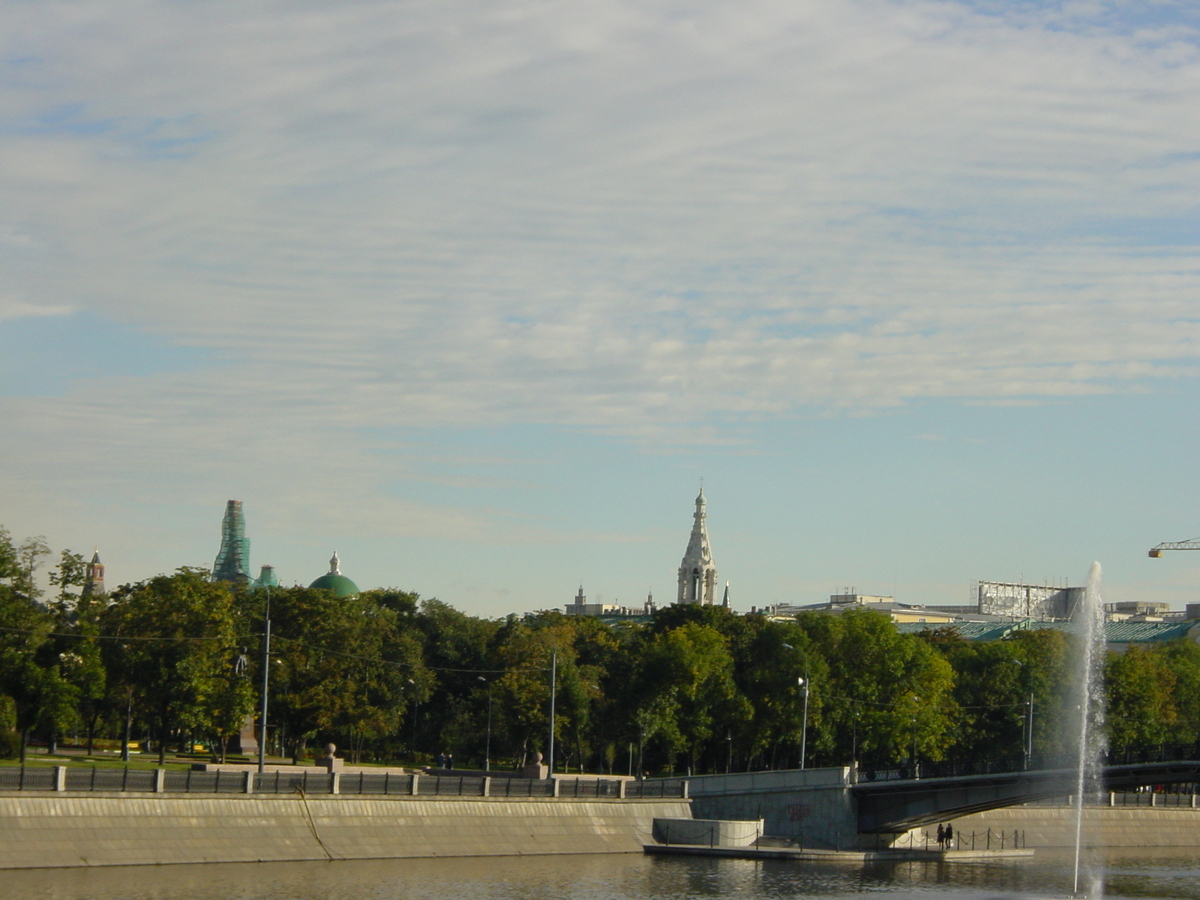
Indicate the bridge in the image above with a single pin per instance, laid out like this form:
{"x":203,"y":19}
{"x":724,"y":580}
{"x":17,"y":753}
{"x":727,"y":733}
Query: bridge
{"x":833,"y":806}
{"x":892,"y":806}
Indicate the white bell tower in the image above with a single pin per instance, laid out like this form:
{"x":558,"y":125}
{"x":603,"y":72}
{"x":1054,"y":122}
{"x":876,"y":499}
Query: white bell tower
{"x":698,"y":572}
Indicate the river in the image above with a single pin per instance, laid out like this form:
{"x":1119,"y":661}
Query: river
{"x":1165,"y":874}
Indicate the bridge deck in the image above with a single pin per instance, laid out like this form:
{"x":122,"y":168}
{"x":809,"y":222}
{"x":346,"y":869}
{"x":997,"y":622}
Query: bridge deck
{"x":898,"y":805}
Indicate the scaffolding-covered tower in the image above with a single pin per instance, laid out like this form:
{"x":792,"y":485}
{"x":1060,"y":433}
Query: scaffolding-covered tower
{"x":233,"y":559}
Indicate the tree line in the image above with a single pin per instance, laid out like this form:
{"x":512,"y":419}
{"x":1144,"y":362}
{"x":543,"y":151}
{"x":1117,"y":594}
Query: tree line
{"x":388,"y":676}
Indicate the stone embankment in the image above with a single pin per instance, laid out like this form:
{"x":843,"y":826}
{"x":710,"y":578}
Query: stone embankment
{"x":1104,"y":826}
{"x":88,"y":829}
{"x":60,"y":816}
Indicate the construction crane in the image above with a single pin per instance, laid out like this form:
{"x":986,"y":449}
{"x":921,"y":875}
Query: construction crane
{"x":1157,"y":551}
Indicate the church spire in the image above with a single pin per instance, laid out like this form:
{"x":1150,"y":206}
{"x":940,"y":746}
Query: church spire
{"x":93,"y":582}
{"x":697,"y":571}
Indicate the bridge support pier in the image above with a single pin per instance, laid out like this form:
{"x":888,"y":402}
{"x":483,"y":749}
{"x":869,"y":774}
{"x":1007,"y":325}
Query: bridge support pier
{"x":812,"y":807}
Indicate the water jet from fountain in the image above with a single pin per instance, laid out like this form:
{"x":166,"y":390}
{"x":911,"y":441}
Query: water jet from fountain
{"x":1088,"y":702}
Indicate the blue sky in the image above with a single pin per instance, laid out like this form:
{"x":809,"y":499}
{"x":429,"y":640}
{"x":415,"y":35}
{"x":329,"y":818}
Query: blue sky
{"x":477,"y":293}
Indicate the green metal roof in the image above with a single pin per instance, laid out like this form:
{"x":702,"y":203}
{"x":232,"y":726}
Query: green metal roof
{"x":338,"y":585}
{"x":1128,"y":632}
{"x":1141,"y":632}
{"x":968,"y":631}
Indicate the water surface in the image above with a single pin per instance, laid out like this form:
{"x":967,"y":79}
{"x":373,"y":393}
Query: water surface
{"x":1163,"y":874}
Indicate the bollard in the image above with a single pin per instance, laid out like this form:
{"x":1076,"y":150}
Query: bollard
{"x":413,"y":785}
{"x":60,"y":778}
{"x":249,"y":786}
{"x":160,"y":780}
{"x":487,"y":785}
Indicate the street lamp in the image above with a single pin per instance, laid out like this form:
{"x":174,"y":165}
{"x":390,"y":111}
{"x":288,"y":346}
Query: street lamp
{"x":266,"y":685}
{"x":487,"y":754}
{"x":553,"y":688}
{"x":915,"y":700}
{"x":804,"y":721}
{"x":804,"y":685}
{"x":416,"y":710}
{"x":854,"y":738}
{"x":1027,"y":719}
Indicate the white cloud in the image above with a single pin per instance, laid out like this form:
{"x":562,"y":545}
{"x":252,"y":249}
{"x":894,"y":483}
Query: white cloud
{"x":644,"y":219}
{"x":11,"y":310}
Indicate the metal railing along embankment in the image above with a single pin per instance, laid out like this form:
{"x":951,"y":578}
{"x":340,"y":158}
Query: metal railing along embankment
{"x":163,"y":781}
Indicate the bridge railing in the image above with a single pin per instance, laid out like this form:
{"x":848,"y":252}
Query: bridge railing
{"x":958,"y":768}
{"x":1159,"y":753}
{"x":951,"y":768}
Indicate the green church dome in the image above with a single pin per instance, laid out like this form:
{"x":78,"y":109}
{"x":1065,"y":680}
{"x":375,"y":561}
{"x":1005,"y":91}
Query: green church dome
{"x":334,"y":581}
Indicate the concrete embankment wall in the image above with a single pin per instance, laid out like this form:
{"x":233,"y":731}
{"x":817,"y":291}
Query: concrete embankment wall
{"x":1054,"y":826}
{"x":65,"y":829}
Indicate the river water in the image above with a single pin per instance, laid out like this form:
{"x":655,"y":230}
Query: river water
{"x":1165,"y":874}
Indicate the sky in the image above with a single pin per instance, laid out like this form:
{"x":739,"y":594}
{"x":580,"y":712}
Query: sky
{"x":478,"y":294}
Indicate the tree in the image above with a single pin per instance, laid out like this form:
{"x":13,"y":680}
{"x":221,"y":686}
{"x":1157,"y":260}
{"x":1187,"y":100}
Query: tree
{"x":342,"y":666}
{"x":896,"y":691}
{"x":1141,"y":709}
{"x":770,"y":659}
{"x":458,"y":649}
{"x":689,"y":690}
{"x":25,"y":629}
{"x":527,"y":653}
{"x":175,"y":642}
{"x":75,"y":653}
{"x":1182,"y":657}
{"x":991,"y":689}
{"x":1046,"y":656}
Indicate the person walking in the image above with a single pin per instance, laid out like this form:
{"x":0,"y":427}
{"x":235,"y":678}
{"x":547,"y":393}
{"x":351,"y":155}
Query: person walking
{"x":949,"y":836}
{"x":941,"y":834}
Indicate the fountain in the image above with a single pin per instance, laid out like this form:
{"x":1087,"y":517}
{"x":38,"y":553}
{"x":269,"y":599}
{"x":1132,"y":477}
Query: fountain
{"x":1089,"y":702}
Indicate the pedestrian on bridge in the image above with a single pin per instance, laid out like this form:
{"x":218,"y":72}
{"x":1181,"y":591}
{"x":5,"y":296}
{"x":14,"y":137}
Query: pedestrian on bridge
{"x":949,"y":836}
{"x":941,"y":834}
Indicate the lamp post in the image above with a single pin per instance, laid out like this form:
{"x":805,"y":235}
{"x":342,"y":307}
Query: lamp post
{"x":854,"y":738}
{"x":1027,"y":719}
{"x":416,"y":709}
{"x":914,"y":700}
{"x":553,"y":686}
{"x":804,"y":721}
{"x":487,"y":754}
{"x":804,"y":686}
{"x":1029,"y":735}
{"x":266,"y":682}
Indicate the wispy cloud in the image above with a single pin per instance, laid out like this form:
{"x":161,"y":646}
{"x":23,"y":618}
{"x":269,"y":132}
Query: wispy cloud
{"x":646,"y":219}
